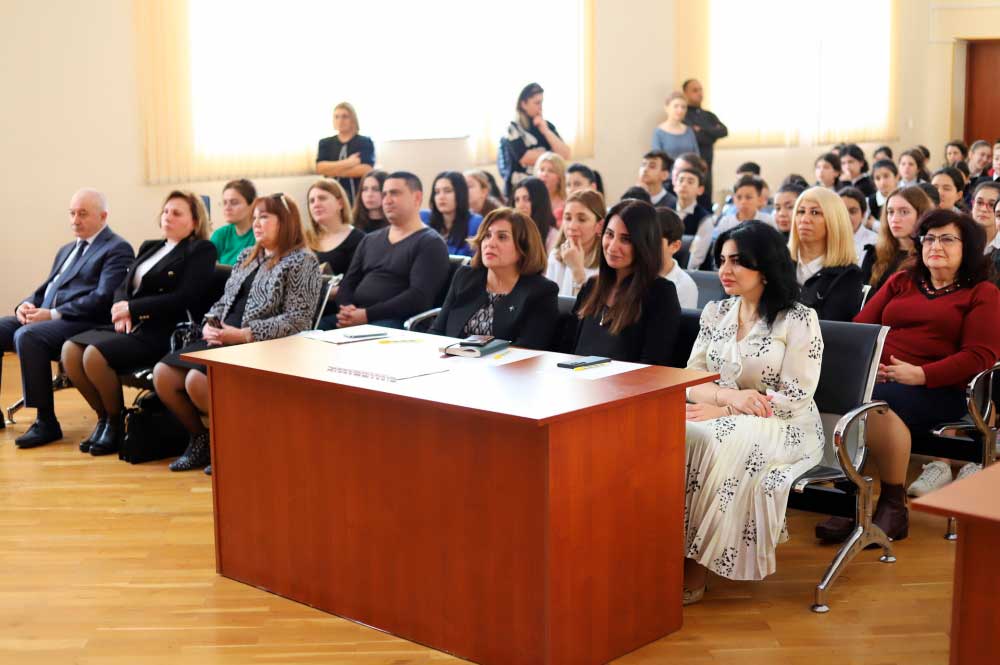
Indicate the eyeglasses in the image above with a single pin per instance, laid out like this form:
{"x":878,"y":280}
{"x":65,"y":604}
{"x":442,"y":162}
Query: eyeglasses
{"x":947,"y":240}
{"x":281,"y":197}
{"x":985,"y":203}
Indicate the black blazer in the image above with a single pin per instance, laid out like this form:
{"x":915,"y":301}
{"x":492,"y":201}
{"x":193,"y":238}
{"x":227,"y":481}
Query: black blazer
{"x":874,"y":209}
{"x":649,"y":340}
{"x":834,"y":292}
{"x":85,"y":292}
{"x":868,"y":265}
{"x":526,"y":316}
{"x":171,"y":287}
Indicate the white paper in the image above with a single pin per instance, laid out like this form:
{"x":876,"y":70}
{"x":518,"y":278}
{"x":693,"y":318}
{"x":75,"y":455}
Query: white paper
{"x":344,"y":335}
{"x":603,"y":371}
{"x":508,"y":355}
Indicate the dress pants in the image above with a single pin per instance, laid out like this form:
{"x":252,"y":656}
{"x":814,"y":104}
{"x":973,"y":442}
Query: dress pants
{"x":36,"y":346}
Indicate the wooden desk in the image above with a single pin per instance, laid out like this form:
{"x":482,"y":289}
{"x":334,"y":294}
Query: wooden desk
{"x":513,"y":514}
{"x":975,"y":615}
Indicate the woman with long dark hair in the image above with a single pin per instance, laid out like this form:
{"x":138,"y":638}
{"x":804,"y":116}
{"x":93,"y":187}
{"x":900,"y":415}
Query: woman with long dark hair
{"x":531,"y":198}
{"x":755,"y":430}
{"x":368,"y":214}
{"x":449,"y":214}
{"x":627,"y":311}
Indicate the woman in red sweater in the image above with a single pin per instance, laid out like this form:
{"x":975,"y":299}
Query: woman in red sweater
{"x":943,"y":316}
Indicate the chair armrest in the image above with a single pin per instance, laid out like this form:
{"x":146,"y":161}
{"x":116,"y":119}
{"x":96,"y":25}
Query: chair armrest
{"x":980,"y":418}
{"x":843,"y":428}
{"x":429,"y":315}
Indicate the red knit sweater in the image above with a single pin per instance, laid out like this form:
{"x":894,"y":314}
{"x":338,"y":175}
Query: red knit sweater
{"x":952,"y":337}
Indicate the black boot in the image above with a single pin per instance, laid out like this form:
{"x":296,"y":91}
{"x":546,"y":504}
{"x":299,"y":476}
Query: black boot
{"x":110,"y":439}
{"x":196,"y":456}
{"x":85,"y":445}
{"x":891,"y":514}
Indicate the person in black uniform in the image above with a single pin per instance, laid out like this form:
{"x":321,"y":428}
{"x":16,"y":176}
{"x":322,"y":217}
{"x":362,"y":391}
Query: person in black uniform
{"x":348,"y":156}
{"x":627,"y":311}
{"x":503,"y":292}
{"x":707,"y":130}
{"x":163,"y":284}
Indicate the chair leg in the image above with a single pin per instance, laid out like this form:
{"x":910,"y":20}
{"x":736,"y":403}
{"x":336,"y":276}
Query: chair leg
{"x":952,"y":532}
{"x":859,"y":539}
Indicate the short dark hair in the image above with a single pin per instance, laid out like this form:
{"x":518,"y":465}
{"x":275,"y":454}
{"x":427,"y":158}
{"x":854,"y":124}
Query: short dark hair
{"x":412,"y":181}
{"x":764,"y":249}
{"x":791,"y":188}
{"x":749,"y":181}
{"x":986,"y":184}
{"x":695,"y":159}
{"x":931,"y":192}
{"x":855,"y":151}
{"x":976,"y":267}
{"x":696,"y":173}
{"x":749,"y":167}
{"x":962,"y":148}
{"x":666,"y":161}
{"x":671,"y":226}
{"x":883,"y":148}
{"x":592,"y":175}
{"x":794,"y":179}
{"x":886,"y":164}
{"x":854,"y":194}
{"x":963,"y":166}
{"x":830,"y":158}
{"x":244,"y":187}
{"x":636,"y":193}
{"x":687,"y":82}
{"x":953,"y":173}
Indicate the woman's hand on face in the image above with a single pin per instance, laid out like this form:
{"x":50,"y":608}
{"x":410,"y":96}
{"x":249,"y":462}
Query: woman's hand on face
{"x":701,"y":412}
{"x":572,"y":255}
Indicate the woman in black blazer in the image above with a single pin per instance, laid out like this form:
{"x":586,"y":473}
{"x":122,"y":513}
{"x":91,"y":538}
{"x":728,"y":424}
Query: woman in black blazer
{"x":627,"y":311}
{"x":503,"y":293}
{"x":166,"y":280}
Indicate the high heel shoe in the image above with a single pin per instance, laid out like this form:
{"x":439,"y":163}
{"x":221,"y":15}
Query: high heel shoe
{"x":196,"y":456}
{"x":85,"y":445}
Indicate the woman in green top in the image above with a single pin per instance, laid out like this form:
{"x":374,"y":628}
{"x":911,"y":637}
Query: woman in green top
{"x":236,"y":235}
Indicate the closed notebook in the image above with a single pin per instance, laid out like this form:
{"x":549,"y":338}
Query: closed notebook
{"x":494,"y":346}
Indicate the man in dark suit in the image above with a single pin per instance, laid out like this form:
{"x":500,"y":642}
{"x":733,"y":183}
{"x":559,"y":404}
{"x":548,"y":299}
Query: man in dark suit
{"x":75,"y":297}
{"x":707,"y":130}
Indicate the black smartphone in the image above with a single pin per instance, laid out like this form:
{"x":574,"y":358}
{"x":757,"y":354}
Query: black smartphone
{"x":477,"y":340}
{"x":583,"y":362}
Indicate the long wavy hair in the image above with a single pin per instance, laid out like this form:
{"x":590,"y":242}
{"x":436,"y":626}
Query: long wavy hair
{"x":887,"y":247}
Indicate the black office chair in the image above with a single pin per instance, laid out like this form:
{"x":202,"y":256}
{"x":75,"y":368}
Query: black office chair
{"x":709,"y":286}
{"x":687,"y":333}
{"x":684,"y":253}
{"x":423,"y":321}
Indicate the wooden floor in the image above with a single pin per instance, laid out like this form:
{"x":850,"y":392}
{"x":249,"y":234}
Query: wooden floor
{"x":103,"y":563}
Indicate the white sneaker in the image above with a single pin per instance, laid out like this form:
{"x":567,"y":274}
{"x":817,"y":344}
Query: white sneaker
{"x":968,"y":470}
{"x":934,"y":476}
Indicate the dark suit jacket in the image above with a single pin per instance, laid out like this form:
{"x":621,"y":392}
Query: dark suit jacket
{"x":86,"y":291}
{"x":171,"y":287}
{"x":526,"y":316}
{"x":834,"y":292}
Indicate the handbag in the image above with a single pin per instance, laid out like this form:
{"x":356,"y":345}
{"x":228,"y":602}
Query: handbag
{"x":151,"y":432}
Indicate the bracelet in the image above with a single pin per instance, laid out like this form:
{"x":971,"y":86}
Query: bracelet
{"x":729,"y":409}
{"x":247,"y":335}
{"x":715,"y":398}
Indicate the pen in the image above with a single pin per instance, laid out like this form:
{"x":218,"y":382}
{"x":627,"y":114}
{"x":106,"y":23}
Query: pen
{"x":500,"y":355}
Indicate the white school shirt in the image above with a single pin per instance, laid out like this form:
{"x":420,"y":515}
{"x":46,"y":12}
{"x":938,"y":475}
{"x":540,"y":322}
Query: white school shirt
{"x":687,"y":290}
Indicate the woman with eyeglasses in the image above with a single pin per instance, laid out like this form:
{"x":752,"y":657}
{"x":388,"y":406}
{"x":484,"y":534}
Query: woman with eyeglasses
{"x":984,"y":202}
{"x":272,"y":292}
{"x":942,"y":315}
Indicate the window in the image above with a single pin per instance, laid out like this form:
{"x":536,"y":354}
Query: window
{"x":784,"y":75}
{"x":263,"y":78}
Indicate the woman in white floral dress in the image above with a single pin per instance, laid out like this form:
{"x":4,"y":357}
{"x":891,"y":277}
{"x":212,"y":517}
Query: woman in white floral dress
{"x":752,"y":433}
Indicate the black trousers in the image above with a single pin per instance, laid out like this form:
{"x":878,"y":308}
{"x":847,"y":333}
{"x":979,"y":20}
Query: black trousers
{"x":36,"y":346}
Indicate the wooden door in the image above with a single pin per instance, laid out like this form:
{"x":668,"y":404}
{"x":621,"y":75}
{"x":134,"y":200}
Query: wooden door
{"x":982,"y":94}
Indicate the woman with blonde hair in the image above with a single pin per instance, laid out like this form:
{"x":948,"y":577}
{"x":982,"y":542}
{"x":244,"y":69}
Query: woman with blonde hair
{"x":577,"y":254}
{"x":822,"y":246}
{"x":551,"y":169}
{"x":346,"y":156}
{"x":895,"y":249}
{"x":163,"y":284}
{"x":330,"y":232}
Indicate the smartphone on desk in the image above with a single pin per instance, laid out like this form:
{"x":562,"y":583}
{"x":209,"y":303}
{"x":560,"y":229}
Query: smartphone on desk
{"x":583,"y":362}
{"x":477,"y":340}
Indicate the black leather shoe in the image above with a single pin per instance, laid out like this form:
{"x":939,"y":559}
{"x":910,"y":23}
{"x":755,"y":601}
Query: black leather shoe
{"x":208,"y":470}
{"x":96,"y":434}
{"x":110,"y":438}
{"x":40,"y":433}
{"x":835,"y":529}
{"x":196,"y":456}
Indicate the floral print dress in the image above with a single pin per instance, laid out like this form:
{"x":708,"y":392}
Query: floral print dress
{"x":740,"y":468}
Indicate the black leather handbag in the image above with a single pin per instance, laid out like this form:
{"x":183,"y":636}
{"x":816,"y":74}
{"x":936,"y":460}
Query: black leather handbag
{"x":151,"y":432}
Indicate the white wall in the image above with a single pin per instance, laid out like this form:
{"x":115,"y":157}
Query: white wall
{"x":70,"y":118}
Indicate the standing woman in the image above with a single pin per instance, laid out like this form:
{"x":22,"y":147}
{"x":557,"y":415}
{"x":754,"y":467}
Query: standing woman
{"x":855,"y":169}
{"x":272,"y":292}
{"x":329,"y":233}
{"x":755,"y":430}
{"x":163,"y":283}
{"x":450,"y":215}
{"x":530,"y":135}
{"x":551,"y":169}
{"x":672,"y":136}
{"x":822,"y":246}
{"x":502,"y":292}
{"x":236,"y":235}
{"x":577,"y":254}
{"x":368,"y":214}
{"x":894,"y":249}
{"x":531,"y":197}
{"x":627,"y":311}
{"x":481,"y":199}
{"x":347,"y":156}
